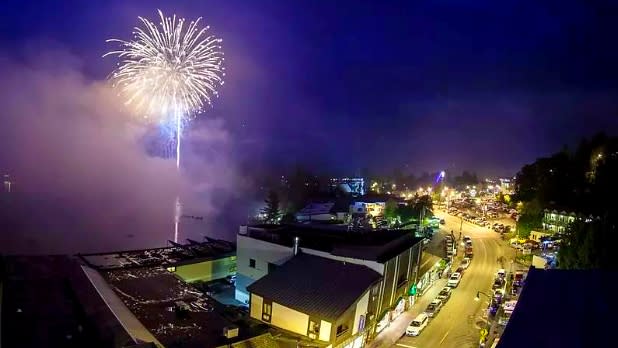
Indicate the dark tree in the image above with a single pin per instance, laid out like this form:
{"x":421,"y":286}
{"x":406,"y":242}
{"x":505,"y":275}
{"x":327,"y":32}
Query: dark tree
{"x":530,"y":218}
{"x":407,"y":213}
{"x":589,"y":245}
{"x":271,"y":211}
{"x":582,"y":181}
{"x":465,"y":179}
{"x":288,"y":218}
{"x":390,"y":210}
{"x":424,"y":203}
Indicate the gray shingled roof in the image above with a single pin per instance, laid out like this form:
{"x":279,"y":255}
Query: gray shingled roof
{"x":314,"y":285}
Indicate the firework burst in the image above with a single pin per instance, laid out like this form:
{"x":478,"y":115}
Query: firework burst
{"x":170,"y":71}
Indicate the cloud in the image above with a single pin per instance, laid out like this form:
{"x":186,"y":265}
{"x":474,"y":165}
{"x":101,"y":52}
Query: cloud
{"x":82,"y":179}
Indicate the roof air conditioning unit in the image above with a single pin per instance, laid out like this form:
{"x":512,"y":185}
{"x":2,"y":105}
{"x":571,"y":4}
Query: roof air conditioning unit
{"x":230,"y":331}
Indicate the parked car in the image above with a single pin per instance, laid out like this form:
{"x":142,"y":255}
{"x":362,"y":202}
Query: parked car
{"x":518,"y":279}
{"x":498,"y":295}
{"x":469,"y":252}
{"x":417,"y":325}
{"x":434,"y":308}
{"x":453,"y":281}
{"x":498,"y":283}
{"x":465,"y":263}
{"x":445,"y":294}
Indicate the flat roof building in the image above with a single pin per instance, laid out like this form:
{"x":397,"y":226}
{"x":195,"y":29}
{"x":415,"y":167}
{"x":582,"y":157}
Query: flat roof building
{"x":48,"y":301}
{"x":563,"y":308}
{"x":194,"y":261}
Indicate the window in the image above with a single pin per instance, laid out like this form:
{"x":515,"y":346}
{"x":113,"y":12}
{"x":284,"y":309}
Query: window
{"x":341,"y":329}
{"x":266,"y":311}
{"x":271,"y":267}
{"x":252,"y":263}
{"x":402,"y":280}
{"x":314,"y":327}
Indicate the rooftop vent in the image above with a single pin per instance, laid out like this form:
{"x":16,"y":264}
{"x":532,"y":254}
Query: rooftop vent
{"x":230,"y":331}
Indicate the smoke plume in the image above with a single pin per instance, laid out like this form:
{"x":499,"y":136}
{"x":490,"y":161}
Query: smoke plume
{"x":81,"y":178}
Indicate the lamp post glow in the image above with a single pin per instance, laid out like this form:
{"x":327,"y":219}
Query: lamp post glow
{"x":478,"y":296}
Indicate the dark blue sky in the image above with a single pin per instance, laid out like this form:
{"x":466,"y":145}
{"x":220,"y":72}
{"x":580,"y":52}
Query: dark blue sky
{"x":423,"y":85}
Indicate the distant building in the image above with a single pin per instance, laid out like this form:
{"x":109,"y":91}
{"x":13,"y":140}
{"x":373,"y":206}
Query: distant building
{"x":371,"y":205}
{"x":506,"y":185}
{"x":393,"y":254}
{"x":303,"y":296}
{"x":554,"y":310}
{"x":341,"y":208}
{"x":354,"y":186}
{"x":538,"y":236}
{"x":555,"y":221}
{"x":336,"y":210}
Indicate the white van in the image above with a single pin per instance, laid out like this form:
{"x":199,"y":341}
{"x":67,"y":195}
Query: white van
{"x":417,"y":325}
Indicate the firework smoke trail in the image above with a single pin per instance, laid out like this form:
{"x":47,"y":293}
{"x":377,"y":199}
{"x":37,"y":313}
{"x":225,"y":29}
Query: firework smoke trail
{"x":169,"y":73}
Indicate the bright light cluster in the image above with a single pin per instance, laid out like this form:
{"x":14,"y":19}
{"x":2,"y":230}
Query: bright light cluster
{"x":171,"y":71}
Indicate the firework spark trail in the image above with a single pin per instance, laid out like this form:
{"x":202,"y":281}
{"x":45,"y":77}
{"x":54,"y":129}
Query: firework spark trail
{"x":169,"y":73}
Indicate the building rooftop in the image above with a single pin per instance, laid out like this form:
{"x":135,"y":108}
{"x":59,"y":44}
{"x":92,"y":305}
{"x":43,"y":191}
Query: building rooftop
{"x":47,"y":301}
{"x":373,"y":245}
{"x":563,"y":308}
{"x":173,"y":311}
{"x":307,"y":283}
{"x":174,"y":255}
{"x":316,"y":208}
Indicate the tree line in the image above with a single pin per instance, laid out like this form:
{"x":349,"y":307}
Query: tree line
{"x":580,"y":180}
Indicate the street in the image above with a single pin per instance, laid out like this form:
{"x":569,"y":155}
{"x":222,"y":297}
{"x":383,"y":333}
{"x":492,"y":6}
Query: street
{"x":461,"y":318}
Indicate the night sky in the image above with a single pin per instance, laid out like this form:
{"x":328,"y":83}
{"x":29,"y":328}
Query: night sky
{"x":335,"y":85}
{"x":484,"y":85}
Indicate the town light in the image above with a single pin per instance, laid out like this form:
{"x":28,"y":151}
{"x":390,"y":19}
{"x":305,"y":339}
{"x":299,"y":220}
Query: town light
{"x":478,"y":296}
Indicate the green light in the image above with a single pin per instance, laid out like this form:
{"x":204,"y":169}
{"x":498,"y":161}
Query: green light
{"x":412,"y":290}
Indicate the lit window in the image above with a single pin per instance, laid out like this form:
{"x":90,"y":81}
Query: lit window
{"x":314,"y":327}
{"x":266,"y":311}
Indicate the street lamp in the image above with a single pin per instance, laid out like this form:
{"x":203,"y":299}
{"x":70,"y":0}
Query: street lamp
{"x":478,"y":296}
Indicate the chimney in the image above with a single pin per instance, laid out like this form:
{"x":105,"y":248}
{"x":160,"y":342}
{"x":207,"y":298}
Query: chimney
{"x":243,"y":230}
{"x":296,"y":240}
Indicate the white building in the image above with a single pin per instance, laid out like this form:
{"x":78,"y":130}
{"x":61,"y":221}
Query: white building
{"x":393,"y":254}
